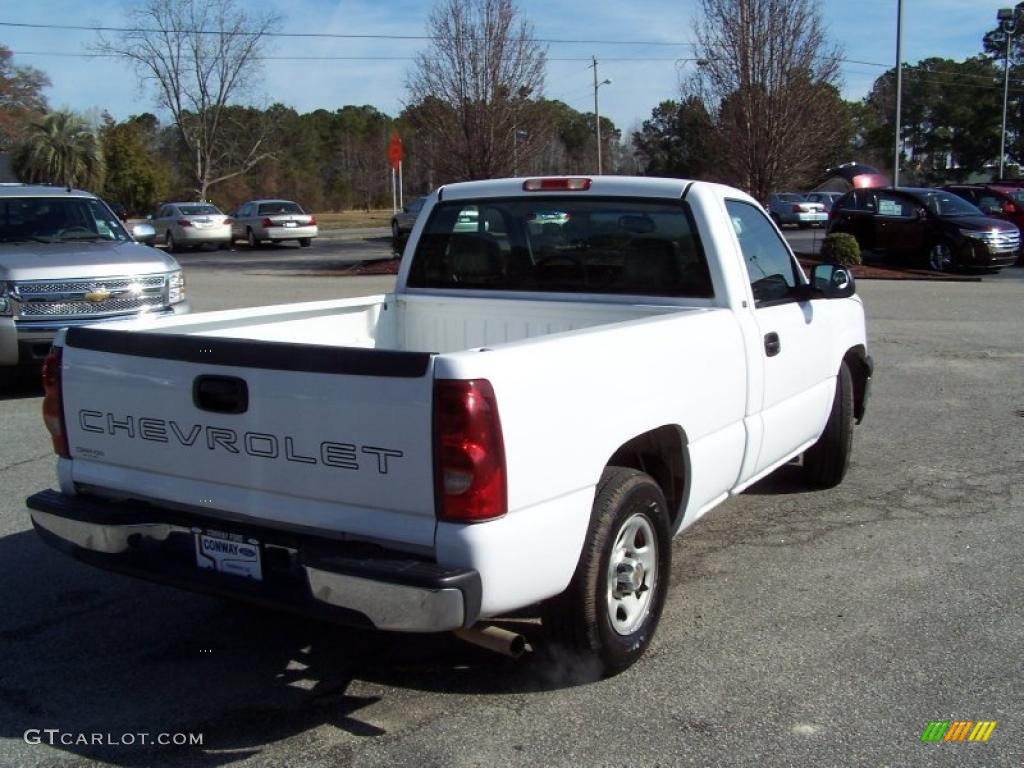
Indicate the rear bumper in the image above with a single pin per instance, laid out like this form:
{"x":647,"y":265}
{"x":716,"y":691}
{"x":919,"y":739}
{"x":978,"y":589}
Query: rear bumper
{"x":348,"y":582}
{"x":288,"y":233}
{"x":207,"y":235}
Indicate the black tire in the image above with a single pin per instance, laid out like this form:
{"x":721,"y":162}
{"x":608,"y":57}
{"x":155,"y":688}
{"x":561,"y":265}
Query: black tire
{"x":223,"y":246}
{"x":803,"y":225}
{"x":777,"y":220}
{"x":942,"y":257}
{"x":579,"y":620}
{"x":305,"y":242}
{"x":171,"y":245}
{"x":826,"y":461}
{"x":250,"y":239}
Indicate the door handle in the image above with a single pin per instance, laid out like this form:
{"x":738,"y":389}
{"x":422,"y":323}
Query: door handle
{"x":220,"y":394}
{"x":772,"y":345}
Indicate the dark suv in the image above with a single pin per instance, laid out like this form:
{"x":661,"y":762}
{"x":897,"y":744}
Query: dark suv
{"x":949,"y":231}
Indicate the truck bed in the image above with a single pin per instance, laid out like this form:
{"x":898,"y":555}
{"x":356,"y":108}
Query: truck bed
{"x":428,"y":324}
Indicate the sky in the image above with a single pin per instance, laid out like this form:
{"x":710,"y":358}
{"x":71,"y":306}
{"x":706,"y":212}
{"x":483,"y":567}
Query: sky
{"x":642,"y":74}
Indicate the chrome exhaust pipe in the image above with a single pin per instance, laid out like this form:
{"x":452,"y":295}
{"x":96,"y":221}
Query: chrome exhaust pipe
{"x":496,"y":639}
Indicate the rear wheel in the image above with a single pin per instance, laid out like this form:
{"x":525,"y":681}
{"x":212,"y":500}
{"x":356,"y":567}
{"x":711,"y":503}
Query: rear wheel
{"x":223,"y":246}
{"x":305,"y":242}
{"x":250,"y":239}
{"x":611,"y":609}
{"x":172,"y":246}
{"x":826,"y":461}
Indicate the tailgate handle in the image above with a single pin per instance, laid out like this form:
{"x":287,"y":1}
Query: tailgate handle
{"x":220,"y":394}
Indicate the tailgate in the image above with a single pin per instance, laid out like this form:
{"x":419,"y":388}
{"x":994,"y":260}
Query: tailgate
{"x":333,"y":438}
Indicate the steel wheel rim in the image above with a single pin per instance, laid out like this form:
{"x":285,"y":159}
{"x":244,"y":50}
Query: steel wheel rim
{"x":251,"y":238}
{"x":632,"y":574}
{"x":942,"y":257}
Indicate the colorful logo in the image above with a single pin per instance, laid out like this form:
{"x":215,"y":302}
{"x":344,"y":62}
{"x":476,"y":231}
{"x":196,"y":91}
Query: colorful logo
{"x":958,"y":730}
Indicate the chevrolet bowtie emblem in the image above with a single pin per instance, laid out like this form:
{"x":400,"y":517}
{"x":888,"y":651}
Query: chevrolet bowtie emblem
{"x":100,"y":294}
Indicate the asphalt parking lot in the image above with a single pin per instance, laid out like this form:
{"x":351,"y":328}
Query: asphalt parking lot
{"x":812,"y":629}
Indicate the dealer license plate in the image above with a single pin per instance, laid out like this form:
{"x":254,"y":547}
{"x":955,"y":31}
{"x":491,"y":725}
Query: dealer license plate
{"x":228,"y":553}
{"x":291,"y":223}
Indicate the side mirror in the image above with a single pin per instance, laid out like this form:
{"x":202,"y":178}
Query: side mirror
{"x":833,"y":280}
{"x":149,"y":217}
{"x":143,"y":232}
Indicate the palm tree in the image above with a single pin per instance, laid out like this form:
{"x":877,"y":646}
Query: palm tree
{"x":61,"y":148}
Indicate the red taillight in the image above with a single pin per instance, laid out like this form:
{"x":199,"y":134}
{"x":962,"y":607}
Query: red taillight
{"x":572,"y":184}
{"x":312,"y":220}
{"x":226,"y":221}
{"x":53,"y":402}
{"x":796,"y":208}
{"x":1008,"y":208}
{"x":183,"y":223}
{"x":268,"y":223}
{"x":469,"y":452}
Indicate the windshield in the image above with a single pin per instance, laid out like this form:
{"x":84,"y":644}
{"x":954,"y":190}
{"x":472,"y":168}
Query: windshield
{"x":279,"y":207}
{"x":562,"y":245}
{"x":199,"y":210}
{"x":58,"y":219}
{"x":948,"y":204}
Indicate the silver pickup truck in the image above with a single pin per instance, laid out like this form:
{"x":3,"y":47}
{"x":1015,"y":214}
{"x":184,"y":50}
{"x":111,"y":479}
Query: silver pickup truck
{"x":66,"y":260}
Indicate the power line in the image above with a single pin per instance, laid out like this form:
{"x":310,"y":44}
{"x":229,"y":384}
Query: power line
{"x":98,"y":55}
{"x":327,"y":35}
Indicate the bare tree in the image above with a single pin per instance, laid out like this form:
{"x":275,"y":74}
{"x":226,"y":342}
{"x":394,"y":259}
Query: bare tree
{"x":475,"y":87}
{"x":199,"y":55}
{"x":770,"y":75}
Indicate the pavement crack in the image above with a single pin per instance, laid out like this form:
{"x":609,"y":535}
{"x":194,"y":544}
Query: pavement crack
{"x":14,"y":464}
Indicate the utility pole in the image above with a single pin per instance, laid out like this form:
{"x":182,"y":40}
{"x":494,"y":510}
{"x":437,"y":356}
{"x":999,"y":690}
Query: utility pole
{"x":597,"y":118}
{"x":899,"y":89}
{"x":597,"y":112}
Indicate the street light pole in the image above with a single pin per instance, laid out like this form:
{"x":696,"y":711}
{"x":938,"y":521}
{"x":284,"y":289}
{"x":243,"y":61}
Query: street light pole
{"x":1007,"y":18}
{"x":597,"y":113}
{"x":899,"y":89}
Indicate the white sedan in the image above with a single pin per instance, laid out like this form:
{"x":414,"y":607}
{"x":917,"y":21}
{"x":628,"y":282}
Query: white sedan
{"x":180,"y":225}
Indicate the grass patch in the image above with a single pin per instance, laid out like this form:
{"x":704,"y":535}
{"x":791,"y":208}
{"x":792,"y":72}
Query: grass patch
{"x":354,"y":219}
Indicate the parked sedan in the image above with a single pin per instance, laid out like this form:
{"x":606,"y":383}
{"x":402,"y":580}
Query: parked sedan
{"x":790,"y":208}
{"x":827,"y":199}
{"x":181,"y":225}
{"x":259,"y":221}
{"x":934,"y":223}
{"x":402,"y":222}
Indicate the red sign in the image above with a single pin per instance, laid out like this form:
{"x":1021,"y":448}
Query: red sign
{"x":395,"y":150}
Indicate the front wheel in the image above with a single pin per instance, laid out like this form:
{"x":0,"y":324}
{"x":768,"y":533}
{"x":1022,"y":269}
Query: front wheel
{"x":826,"y":461}
{"x":611,"y":609}
{"x":941,"y":258}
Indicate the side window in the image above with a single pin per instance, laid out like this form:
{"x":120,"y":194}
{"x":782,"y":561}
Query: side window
{"x":769,"y":264}
{"x":890,"y":205}
{"x":988,"y":202}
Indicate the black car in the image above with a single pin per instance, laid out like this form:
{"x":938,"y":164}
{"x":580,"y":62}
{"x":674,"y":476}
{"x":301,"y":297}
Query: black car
{"x":933,"y":223}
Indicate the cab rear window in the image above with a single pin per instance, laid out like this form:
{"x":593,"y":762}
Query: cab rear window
{"x":562,"y":245}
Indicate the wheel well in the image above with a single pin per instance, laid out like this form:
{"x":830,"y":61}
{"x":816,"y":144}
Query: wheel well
{"x":661,"y":453}
{"x":860,"y":371}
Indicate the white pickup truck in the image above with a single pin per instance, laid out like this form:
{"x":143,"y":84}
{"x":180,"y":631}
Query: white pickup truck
{"x":569,"y":372}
